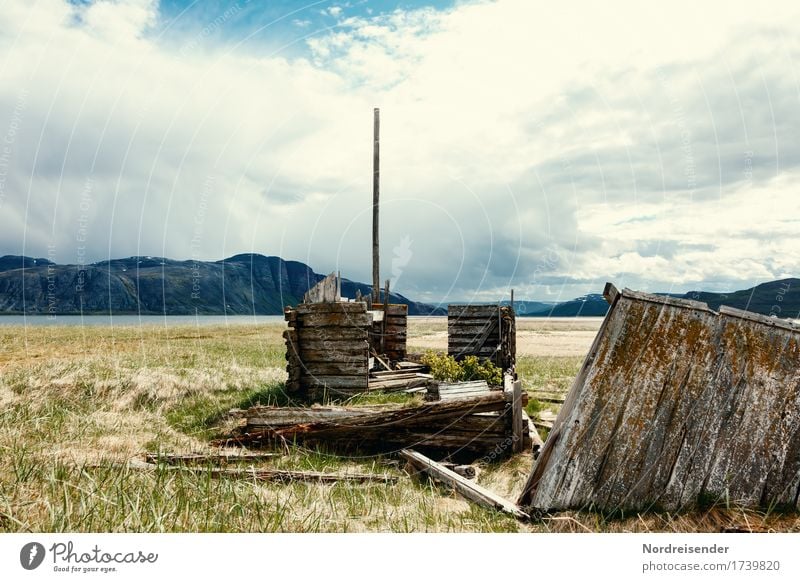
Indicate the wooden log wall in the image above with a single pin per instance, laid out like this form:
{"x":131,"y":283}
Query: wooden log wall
{"x":486,"y":331}
{"x":327,"y":350}
{"x":677,"y":404}
{"x":389,"y":337}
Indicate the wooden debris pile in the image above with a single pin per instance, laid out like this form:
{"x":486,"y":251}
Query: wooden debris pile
{"x":488,"y":424}
{"x":676,"y":404}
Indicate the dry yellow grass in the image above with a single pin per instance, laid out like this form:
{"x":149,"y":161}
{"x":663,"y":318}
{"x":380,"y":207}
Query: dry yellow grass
{"x":76,"y":403}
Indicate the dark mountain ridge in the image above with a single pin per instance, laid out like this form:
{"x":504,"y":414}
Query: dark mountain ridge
{"x":779,"y":298}
{"x":244,"y":284}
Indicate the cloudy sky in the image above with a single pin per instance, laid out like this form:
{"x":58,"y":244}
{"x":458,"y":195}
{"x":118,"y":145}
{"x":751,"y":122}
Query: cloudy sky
{"x":544,"y":146}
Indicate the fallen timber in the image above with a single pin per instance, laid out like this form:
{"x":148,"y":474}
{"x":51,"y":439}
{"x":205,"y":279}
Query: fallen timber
{"x":464,"y":487}
{"x":462,"y":429}
{"x":276,"y":475}
{"x":676,"y":403}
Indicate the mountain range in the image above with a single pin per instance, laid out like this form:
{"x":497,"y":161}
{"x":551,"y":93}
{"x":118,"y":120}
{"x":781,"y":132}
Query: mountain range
{"x":780,"y":298}
{"x":244,"y":284}
{"x":248,"y":284}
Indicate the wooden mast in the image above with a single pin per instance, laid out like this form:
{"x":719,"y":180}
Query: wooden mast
{"x":376,"y":174}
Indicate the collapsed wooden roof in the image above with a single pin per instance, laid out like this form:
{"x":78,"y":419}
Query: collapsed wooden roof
{"x":675,"y":404}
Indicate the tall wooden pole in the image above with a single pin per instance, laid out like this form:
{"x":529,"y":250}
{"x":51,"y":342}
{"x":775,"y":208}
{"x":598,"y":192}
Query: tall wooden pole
{"x":376,"y":187}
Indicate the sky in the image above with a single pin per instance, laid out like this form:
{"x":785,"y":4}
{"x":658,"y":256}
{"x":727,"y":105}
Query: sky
{"x":540,"y":146}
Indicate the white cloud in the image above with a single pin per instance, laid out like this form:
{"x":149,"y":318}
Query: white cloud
{"x":547,"y":150}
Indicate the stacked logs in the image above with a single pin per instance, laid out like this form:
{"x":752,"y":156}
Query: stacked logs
{"x":485,"y":331}
{"x":327,"y":350}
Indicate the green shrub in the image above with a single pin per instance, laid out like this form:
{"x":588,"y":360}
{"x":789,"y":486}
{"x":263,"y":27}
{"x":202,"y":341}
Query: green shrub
{"x":446,"y":369}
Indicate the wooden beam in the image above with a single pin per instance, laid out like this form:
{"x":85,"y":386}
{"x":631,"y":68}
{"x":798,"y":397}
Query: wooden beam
{"x":610,"y":293}
{"x":279,"y":475}
{"x":513,"y":390}
{"x":207,"y":458}
{"x":464,"y":487}
{"x":376,"y":186}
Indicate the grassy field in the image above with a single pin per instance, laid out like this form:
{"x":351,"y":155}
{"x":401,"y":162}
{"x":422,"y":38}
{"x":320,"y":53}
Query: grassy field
{"x":77,"y":403}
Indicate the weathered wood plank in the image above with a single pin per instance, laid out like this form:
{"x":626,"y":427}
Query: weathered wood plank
{"x":334,"y":319}
{"x":277,"y":475}
{"x":207,"y":458}
{"x":464,"y":487}
{"x":328,"y":368}
{"x":340,"y":307}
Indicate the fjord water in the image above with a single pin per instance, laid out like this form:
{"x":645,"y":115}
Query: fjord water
{"x":137,"y":320}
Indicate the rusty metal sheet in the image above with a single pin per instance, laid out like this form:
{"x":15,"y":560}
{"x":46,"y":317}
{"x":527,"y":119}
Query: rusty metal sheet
{"x":676,"y":404}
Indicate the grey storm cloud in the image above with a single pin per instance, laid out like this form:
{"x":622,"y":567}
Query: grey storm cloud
{"x":600,"y":162}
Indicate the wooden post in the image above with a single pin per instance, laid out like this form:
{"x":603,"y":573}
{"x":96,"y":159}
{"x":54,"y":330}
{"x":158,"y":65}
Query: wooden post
{"x":512,"y":299}
{"x":376,"y":181}
{"x":385,"y":314}
{"x":513,"y":393}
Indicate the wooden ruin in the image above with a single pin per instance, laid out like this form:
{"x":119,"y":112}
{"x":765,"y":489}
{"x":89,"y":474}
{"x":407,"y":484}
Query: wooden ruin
{"x":327,"y":351}
{"x":485,"y":331}
{"x":675,"y":405}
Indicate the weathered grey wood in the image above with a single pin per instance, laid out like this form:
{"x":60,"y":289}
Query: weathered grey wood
{"x":340,"y":307}
{"x":329,"y":368}
{"x":676,"y":402}
{"x":395,"y":374}
{"x":552,"y":397}
{"x":376,"y":189}
{"x":331,"y":334}
{"x":352,"y":347}
{"x":469,"y":490}
{"x":536,"y":442}
{"x":264,"y":417}
{"x":353,"y":356}
{"x":277,"y":475}
{"x":398,"y":384}
{"x":378,"y":359}
{"x":514,"y":390}
{"x":326,"y":291}
{"x":336,"y":381}
{"x":334,"y":319}
{"x":454,"y":310}
{"x":610,"y":293}
{"x":207,"y":458}
{"x":759,"y":318}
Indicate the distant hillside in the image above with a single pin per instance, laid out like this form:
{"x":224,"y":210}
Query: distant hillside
{"x":779,"y":298}
{"x":240,"y":285}
{"x":591,"y":305}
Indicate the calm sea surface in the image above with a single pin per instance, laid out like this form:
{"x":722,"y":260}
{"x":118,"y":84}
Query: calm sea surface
{"x":138,"y":320}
